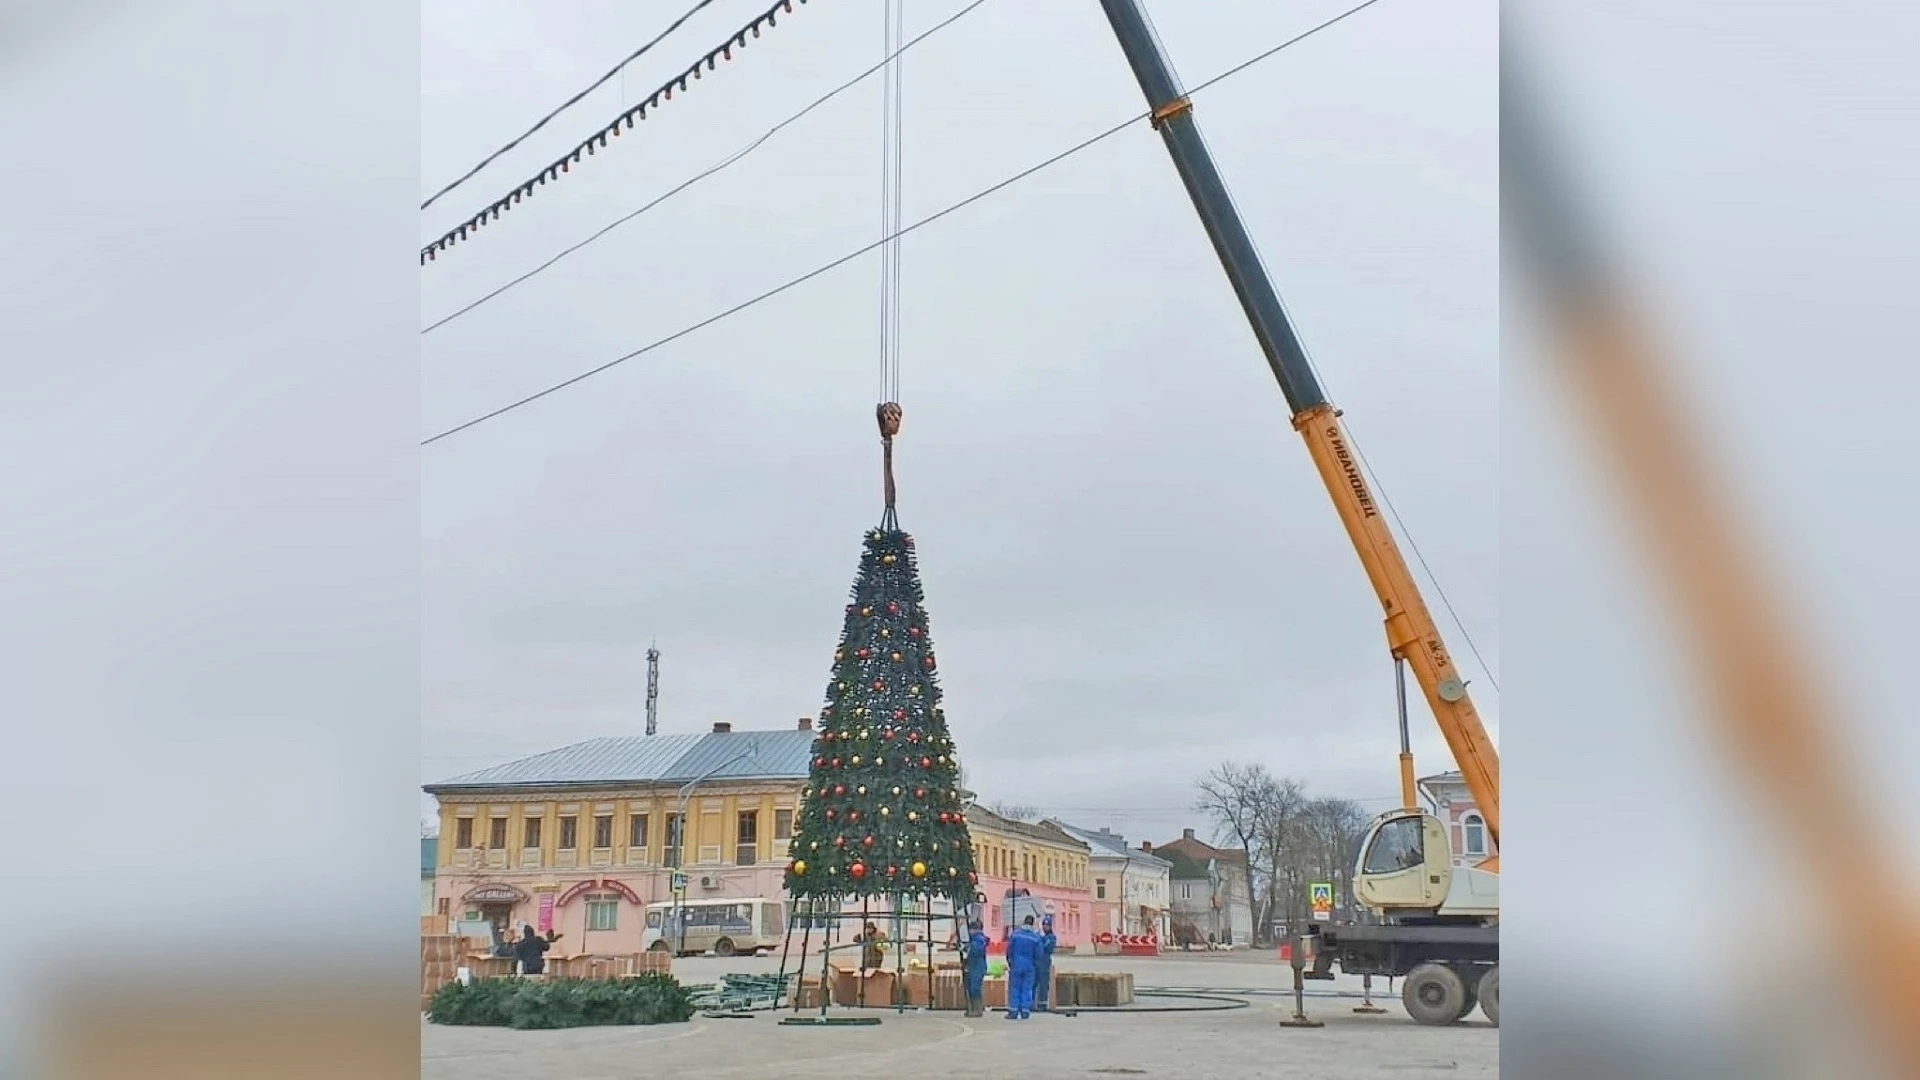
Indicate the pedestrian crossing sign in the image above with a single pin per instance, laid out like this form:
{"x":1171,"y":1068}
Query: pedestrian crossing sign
{"x":1320,"y":897}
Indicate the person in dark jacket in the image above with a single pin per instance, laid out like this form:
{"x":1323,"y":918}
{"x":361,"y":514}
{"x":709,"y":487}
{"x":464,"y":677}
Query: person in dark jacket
{"x":531,"y":951}
{"x":974,"y":973}
{"x":1023,"y":955}
{"x":1043,"y":965}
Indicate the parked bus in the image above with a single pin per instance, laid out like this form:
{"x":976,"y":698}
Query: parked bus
{"x":724,"y":927}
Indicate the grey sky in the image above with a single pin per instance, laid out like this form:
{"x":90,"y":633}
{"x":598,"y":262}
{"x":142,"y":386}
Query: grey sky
{"x":1131,"y":568}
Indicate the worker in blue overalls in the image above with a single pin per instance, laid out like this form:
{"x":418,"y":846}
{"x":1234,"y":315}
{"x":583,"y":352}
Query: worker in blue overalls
{"x":1023,"y":956}
{"x":973,"y":955}
{"x":1043,"y":968}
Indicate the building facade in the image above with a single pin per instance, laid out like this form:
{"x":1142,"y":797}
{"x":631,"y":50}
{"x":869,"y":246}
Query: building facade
{"x":1031,"y":868}
{"x":1130,"y":889}
{"x":580,"y":839}
{"x":429,"y":863}
{"x":1450,"y":801}
{"x":1212,"y":891}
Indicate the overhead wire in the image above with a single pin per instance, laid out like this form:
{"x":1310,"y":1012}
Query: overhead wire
{"x":568,"y":104}
{"x":563,"y":164}
{"x":923,"y":222}
{"x":717,"y":167}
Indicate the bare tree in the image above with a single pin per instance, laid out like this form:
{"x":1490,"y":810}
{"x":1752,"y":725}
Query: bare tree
{"x":1016,"y":811}
{"x":1289,"y":840}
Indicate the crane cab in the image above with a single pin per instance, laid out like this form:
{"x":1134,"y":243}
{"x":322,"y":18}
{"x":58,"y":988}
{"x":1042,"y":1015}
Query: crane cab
{"x":1406,"y":873}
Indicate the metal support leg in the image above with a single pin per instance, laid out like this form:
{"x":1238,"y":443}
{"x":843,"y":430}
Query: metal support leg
{"x":1366,"y":1005}
{"x":1299,"y":1018}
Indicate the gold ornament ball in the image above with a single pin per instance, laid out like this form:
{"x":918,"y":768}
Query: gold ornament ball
{"x":919,"y":869}
{"x":914,"y":690}
{"x":814,"y":846}
{"x":799,"y":866}
{"x":863,"y":733}
{"x":883,"y":811}
{"x":888,"y":559}
{"x":896,"y":790}
{"x":856,"y":759}
{"x":953,"y":871}
{"x":862,"y":789}
{"x":913,"y":815}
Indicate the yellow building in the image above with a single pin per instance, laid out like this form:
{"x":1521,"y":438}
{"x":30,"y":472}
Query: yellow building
{"x":1035,"y":868}
{"x":582,"y":838}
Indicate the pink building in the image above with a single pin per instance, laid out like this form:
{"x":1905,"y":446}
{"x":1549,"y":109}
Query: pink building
{"x":1033,"y":869}
{"x":1453,"y":804}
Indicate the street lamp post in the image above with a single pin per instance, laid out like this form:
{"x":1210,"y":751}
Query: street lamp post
{"x":680,"y":822}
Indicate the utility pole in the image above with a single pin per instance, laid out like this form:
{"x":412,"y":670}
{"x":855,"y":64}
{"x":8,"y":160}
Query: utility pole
{"x":653,"y":689}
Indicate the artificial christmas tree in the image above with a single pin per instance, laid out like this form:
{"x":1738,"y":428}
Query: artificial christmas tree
{"x":882,"y":816}
{"x":881,"y":831}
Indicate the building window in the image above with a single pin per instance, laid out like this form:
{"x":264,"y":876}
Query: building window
{"x":603,"y":830}
{"x":637,"y":831}
{"x":569,"y":833}
{"x":463,"y":833}
{"x":1475,"y":827}
{"x":497,"y":834}
{"x":1099,"y":888}
{"x":783,"y":824}
{"x":746,"y":849}
{"x":603,"y":913}
{"x":1186,"y":890}
{"x":532,"y":837}
{"x":444,"y":905}
{"x":676,"y":825}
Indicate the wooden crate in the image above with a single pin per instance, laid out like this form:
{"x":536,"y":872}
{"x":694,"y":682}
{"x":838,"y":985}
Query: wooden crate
{"x":913,"y":989}
{"x":1096,"y":989}
{"x":807,"y":996}
{"x":949,"y":989}
{"x":994,"y":993}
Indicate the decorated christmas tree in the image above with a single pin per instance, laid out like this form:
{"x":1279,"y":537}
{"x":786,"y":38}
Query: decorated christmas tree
{"x":882,"y":817}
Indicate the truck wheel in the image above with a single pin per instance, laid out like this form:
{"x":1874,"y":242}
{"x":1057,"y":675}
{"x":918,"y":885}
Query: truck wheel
{"x":658,"y":946}
{"x":1490,"y":995}
{"x":1434,"y":994}
{"x":723,"y":947}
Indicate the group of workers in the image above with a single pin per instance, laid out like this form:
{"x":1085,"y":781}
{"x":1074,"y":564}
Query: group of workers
{"x":1029,"y":968}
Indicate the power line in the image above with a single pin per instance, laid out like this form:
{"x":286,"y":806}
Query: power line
{"x":928,"y":220}
{"x":567,"y":104}
{"x":598,"y":140}
{"x":719,"y":166}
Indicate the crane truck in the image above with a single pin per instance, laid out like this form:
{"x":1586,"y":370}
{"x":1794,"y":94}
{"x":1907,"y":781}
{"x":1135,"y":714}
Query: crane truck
{"x":1435,"y":926}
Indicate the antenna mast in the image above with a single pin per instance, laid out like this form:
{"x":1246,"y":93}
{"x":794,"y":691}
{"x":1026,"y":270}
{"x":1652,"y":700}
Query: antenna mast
{"x":653,"y":689}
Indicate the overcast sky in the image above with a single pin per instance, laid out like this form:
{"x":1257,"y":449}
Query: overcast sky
{"x":1132,"y":571}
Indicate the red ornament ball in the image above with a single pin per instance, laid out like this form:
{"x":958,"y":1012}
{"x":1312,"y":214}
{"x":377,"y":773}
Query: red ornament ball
{"x":892,"y":870}
{"x":853,"y":815}
{"x":839,"y":789}
{"x":926,"y":763}
{"x":867,"y":842}
{"x":839,"y":841}
{"x":919,"y":793}
{"x":858,"y":870}
{"x":836,"y":763}
{"x":829,"y":813}
{"x":893,"y":608}
{"x":901,"y":714}
{"x":879,"y":685}
{"x":863,"y":654}
{"x":913,"y":631}
{"x":819,"y":761}
{"x":927,"y":663}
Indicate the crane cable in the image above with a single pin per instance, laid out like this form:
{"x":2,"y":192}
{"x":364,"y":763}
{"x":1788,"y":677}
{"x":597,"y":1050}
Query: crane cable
{"x":887,"y":411}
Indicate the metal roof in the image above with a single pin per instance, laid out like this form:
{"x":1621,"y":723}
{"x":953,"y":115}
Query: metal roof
{"x":1103,"y":842}
{"x":650,"y":759}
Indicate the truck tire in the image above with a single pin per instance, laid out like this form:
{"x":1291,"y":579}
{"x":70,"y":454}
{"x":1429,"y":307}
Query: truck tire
{"x":1434,"y":995}
{"x":723,"y":947}
{"x":1490,"y":995}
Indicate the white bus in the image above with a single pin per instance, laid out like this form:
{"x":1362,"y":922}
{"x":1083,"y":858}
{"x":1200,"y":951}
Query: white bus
{"x":724,"y":927}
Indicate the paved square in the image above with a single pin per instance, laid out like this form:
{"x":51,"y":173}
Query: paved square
{"x":1237,"y":1043}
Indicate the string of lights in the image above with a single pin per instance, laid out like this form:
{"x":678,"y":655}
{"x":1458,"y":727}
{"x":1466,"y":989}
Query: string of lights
{"x":598,"y":141}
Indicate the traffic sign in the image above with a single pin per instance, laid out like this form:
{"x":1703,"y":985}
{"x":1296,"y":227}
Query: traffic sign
{"x":1320,"y":897}
{"x":679,"y":882}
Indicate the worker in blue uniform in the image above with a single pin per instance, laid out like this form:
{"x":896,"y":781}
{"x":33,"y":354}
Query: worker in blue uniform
{"x":1023,"y":956}
{"x":974,"y":971}
{"x":1043,"y":967}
